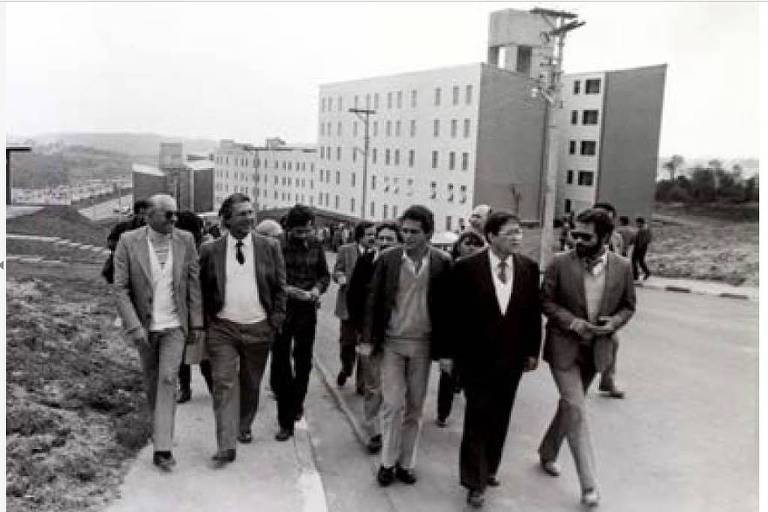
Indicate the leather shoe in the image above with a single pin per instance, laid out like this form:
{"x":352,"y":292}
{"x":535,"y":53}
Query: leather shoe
{"x":223,"y":458}
{"x":475,"y":498}
{"x":299,"y":413}
{"x":341,"y":379}
{"x":245,"y":437}
{"x":360,"y":391}
{"x":550,"y":467}
{"x":284,"y":434}
{"x":164,"y":461}
{"x":407,"y":476}
{"x":590,"y":498}
{"x":385,"y":476}
{"x":184,"y":396}
{"x":493,"y":481}
{"x":374,"y":444}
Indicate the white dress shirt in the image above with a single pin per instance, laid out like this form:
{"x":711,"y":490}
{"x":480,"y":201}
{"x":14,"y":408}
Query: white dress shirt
{"x":503,"y":290}
{"x":241,"y":293}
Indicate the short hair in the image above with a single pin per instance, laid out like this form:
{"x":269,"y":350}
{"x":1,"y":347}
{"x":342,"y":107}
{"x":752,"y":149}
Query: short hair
{"x":498,"y":219}
{"x":299,"y":215}
{"x":604,"y":205}
{"x":421,"y":214}
{"x":390,"y":225}
{"x":228,"y":206}
{"x":463,"y":236}
{"x":141,"y":204}
{"x":361,"y":228}
{"x":269,"y":227}
{"x":624,"y":220}
{"x":640,"y":220}
{"x":599,"y":218}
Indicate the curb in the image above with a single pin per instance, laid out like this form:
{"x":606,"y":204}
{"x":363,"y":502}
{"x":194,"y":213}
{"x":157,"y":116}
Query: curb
{"x":682,"y":289}
{"x":309,"y":479}
{"x":351,"y":418}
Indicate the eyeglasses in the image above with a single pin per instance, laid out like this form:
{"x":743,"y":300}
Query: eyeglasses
{"x":578,"y":235}
{"x":171,"y":214}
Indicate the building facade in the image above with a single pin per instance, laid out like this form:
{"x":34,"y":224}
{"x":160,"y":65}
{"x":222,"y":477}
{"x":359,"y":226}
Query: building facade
{"x":285,"y":176}
{"x":234,"y":170}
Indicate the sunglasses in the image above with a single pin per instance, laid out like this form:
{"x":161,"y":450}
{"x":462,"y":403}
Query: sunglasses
{"x":577,"y":235}
{"x":171,"y":214}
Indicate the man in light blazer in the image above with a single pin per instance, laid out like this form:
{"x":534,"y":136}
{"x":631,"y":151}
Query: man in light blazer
{"x":587,"y":295}
{"x":496,"y":337}
{"x":342,"y":274}
{"x":158,"y":298}
{"x":243,"y":280}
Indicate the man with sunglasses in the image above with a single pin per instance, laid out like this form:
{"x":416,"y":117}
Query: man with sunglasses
{"x":158,"y":298}
{"x":588,"y":294}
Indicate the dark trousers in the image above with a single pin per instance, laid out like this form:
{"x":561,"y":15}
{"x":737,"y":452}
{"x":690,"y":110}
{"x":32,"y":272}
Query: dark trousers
{"x":486,"y":420}
{"x":185,"y":376}
{"x":446,"y":389}
{"x":347,"y":352}
{"x":608,"y":377}
{"x":638,"y":259}
{"x":236,"y":393}
{"x":297,"y":338}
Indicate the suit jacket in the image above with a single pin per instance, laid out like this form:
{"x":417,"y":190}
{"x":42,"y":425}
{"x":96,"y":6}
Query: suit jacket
{"x":357,"y":289}
{"x":345,"y":264}
{"x":488,"y":345}
{"x":563,"y":299}
{"x":133,"y":280}
{"x":270,"y":277}
{"x":383,"y":293}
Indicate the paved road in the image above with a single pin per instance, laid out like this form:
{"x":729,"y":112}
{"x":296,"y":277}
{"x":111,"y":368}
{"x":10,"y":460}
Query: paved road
{"x":686,"y":437}
{"x":106,"y":209}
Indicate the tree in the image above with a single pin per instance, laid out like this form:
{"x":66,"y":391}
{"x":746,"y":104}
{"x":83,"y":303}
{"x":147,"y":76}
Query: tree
{"x":703,"y":184}
{"x":673,"y":164}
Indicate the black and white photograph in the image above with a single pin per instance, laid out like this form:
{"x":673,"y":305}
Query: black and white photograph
{"x":391,"y":256}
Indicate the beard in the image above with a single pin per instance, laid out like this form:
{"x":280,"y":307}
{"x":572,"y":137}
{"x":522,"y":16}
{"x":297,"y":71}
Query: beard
{"x":587,"y":251}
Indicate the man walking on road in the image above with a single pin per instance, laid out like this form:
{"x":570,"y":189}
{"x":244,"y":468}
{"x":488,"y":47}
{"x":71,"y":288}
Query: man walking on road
{"x":158,"y":298}
{"x":243,"y":280}
{"x":497,"y":337}
{"x":405,"y":317}
{"x":342,"y":273}
{"x":643,"y":239}
{"x":587,"y":295}
{"x":307,"y":278}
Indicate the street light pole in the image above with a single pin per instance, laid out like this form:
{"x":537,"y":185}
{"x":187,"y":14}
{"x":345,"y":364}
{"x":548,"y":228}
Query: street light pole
{"x":364,"y":115}
{"x":551,"y":93}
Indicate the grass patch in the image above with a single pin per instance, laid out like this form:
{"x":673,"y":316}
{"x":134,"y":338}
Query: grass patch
{"x":61,"y":221}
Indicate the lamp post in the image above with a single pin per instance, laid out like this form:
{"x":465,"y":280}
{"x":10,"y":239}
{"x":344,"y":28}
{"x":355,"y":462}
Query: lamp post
{"x":364,"y":115}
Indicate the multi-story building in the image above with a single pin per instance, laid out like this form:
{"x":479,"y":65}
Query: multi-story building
{"x":234,"y":170}
{"x":285,"y":175}
{"x":610,"y":125}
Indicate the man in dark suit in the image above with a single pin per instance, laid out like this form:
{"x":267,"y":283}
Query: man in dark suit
{"x":498,"y":290}
{"x":587,"y":295}
{"x":243,"y":281}
{"x":405,"y":318}
{"x":140,"y":208}
{"x":643,"y":239}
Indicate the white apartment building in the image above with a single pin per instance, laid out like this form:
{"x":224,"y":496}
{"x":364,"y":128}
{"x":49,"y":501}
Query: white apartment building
{"x":285,"y":176}
{"x":234,"y":171}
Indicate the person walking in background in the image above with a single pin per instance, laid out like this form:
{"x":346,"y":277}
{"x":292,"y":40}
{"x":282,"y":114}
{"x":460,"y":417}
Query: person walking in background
{"x":587,"y":295}
{"x":627,"y":233}
{"x":616,"y":241}
{"x":307,"y":278}
{"x":243,"y":282}
{"x":405,"y":318}
{"x":348,"y":255}
{"x":270,"y":228}
{"x":157,"y":289}
{"x":468,"y":244}
{"x":497,"y":336}
{"x":643,"y":239}
{"x":477,"y":219}
{"x":369,"y":364}
{"x":136,"y":221}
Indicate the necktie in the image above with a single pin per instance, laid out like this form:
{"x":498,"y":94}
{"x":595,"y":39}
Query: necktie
{"x":503,"y":272}
{"x":240,"y":256}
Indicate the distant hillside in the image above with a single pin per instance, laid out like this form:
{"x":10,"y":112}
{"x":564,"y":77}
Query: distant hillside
{"x":135,"y":145}
{"x":68,"y":165}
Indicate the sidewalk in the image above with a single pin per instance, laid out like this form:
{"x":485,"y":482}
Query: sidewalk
{"x":267,"y":475}
{"x":701,"y":287}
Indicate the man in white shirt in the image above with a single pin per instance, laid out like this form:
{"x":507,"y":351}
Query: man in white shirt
{"x":243,"y":280}
{"x":158,"y":299}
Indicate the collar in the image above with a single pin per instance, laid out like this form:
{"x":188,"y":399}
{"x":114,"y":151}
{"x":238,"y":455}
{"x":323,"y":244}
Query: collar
{"x":595,"y":266}
{"x":156,"y":236}
{"x":247,"y":240}
{"x":495,"y":260}
{"x":423,"y":260}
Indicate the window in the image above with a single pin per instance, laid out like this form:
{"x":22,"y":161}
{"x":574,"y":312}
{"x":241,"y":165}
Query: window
{"x":468,"y":98}
{"x":384,"y":211}
{"x":588,"y":147}
{"x":451,"y":160}
{"x":466,"y":128}
{"x":375,"y":128}
{"x":389,"y":128}
{"x":373,"y":156}
{"x":433,"y":190}
{"x":399,"y":99}
{"x":322,"y":105}
{"x":373,"y":209}
{"x":592,"y":86}
{"x":569,"y":177}
{"x":448,"y":223}
{"x":434,"y":159}
{"x":450,"y":193}
{"x":571,"y":147}
{"x":389,"y":100}
{"x":386,"y":156}
{"x":397,"y":157}
{"x":354,"y":128}
{"x":455,"y":94}
{"x":394,"y":211}
{"x":352,"y":204}
{"x":341,"y":105}
{"x":589,"y":117}
{"x":436,"y":127}
{"x":574,"y":117}
{"x":330,"y":104}
{"x":586,"y":178}
{"x":411,"y":157}
{"x":354,"y":154}
{"x":397,"y":129}
{"x":413,"y":98}
{"x":576,"y":86}
{"x":376,"y":101}
{"x":373,"y":182}
{"x":454,"y":128}
{"x":338,"y":178}
{"x":437,"y":96}
{"x":338,"y":153}
{"x":463,"y":194}
{"x":464,"y":161}
{"x":353,"y":180}
{"x":336,"y":202}
{"x":413,"y":128}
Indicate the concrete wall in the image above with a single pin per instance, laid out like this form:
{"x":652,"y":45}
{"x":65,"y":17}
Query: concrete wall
{"x":630,"y":139}
{"x":509,"y":144}
{"x":511,"y":28}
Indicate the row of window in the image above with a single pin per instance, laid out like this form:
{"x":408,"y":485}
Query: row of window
{"x":394,"y":129}
{"x":587,"y":117}
{"x":392,"y":157}
{"x":394,"y":99}
{"x":588,"y":147}
{"x":236,"y":175}
{"x":224,"y":187}
{"x":591,"y":86}
{"x":585,"y":178}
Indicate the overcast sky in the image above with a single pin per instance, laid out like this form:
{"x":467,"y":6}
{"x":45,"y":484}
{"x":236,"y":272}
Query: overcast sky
{"x":250,"y":71}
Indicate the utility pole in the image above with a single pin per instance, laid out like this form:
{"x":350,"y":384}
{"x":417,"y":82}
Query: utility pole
{"x":561,"y":22}
{"x":364,"y":115}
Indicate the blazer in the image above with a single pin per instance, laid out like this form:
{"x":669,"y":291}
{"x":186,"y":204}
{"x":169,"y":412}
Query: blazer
{"x":357,"y":289}
{"x":382,"y":294}
{"x":345,"y":264}
{"x":488,"y":345}
{"x":270,"y":277}
{"x":133,"y":280}
{"x":563,"y":299}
